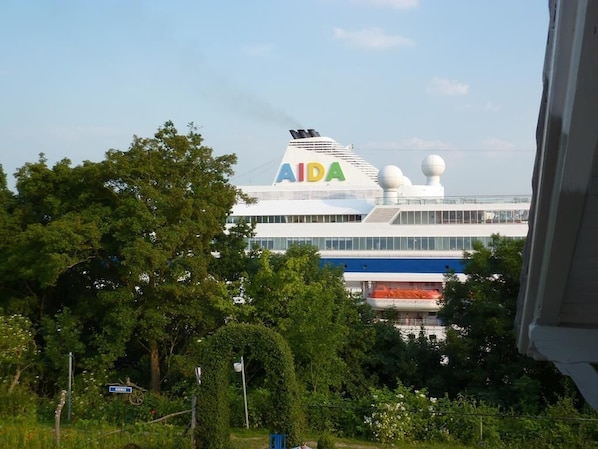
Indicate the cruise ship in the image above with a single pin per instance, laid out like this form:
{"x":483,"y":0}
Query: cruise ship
{"x":394,"y":239}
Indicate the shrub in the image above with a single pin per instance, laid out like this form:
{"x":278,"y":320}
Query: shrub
{"x":326,"y":441}
{"x":402,"y":415}
{"x":20,"y":404}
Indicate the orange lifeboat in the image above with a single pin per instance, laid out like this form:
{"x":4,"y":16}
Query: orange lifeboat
{"x":382,"y":291}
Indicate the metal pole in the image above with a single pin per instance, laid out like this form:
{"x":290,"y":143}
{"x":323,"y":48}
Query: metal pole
{"x":481,"y":431}
{"x":68,"y":409}
{"x":244,"y":392}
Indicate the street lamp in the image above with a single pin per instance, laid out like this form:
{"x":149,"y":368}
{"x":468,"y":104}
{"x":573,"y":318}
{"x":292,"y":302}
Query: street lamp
{"x":240,"y":368}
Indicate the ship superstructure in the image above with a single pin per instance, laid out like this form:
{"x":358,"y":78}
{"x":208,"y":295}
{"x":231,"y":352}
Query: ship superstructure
{"x":393,"y":239}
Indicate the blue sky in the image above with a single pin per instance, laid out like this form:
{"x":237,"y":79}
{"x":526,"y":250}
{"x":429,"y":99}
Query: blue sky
{"x":398,"y":79}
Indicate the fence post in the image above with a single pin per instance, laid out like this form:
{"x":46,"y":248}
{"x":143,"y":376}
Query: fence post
{"x":57,"y":418}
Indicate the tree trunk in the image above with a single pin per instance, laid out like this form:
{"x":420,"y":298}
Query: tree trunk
{"x":15,"y":380}
{"x":154,"y":366}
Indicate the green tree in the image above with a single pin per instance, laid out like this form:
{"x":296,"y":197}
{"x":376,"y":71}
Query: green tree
{"x":113,"y":259}
{"x":483,"y":360}
{"x":386,"y":356}
{"x":55,"y":261}
{"x":307,"y":303}
{"x":171,"y":200}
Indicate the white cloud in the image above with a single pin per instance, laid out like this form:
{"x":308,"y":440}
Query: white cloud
{"x":396,"y":4}
{"x":413,"y":143}
{"x":443,"y":86}
{"x":260,"y":49}
{"x":374,"y":38}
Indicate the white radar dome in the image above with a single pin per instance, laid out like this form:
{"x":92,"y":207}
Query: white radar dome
{"x":433,"y":166}
{"x":390,"y":177}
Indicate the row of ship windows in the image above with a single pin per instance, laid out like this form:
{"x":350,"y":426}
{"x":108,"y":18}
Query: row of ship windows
{"x":371,"y":243}
{"x":406,"y":217}
{"x":462,"y":216}
{"x":297,"y":219}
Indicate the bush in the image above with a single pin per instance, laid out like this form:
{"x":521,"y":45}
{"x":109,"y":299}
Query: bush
{"x":20,"y":404}
{"x":326,"y":441}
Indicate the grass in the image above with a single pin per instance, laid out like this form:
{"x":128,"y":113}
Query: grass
{"x":17,"y":435}
{"x":251,"y":439}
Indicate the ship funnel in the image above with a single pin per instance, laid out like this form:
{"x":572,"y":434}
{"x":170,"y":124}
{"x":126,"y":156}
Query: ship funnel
{"x":303,"y":134}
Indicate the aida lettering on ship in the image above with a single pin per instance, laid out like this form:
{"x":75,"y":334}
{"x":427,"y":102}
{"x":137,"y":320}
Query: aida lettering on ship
{"x":394,"y":239}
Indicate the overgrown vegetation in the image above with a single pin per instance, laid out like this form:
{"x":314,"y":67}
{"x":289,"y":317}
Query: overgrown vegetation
{"x":129,"y":265}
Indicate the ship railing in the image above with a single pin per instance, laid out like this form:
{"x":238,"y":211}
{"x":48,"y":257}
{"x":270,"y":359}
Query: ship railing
{"x":482,"y":199}
{"x":298,"y":195}
{"x":427,"y":322}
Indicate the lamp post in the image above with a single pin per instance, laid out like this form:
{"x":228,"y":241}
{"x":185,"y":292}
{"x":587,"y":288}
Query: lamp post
{"x":240,"y":368}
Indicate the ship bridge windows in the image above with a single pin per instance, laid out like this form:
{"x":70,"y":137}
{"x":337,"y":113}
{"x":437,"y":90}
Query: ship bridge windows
{"x":275,"y":219}
{"x":381,"y":243}
{"x":299,"y":241}
{"x":339,"y":243}
{"x":462,"y":217}
{"x":265,"y":243}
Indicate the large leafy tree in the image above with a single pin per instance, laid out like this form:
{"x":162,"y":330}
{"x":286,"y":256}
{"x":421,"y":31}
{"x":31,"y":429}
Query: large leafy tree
{"x":480,"y":347}
{"x":112,"y":259}
{"x":8,"y":232}
{"x":171,"y":200}
{"x":51,"y":261}
{"x":308,"y":304}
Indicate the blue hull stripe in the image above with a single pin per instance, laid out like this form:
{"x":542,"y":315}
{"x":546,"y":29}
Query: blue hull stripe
{"x":364,"y":265}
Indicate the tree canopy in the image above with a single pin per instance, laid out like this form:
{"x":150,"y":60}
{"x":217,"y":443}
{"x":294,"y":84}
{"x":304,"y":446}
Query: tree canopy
{"x":111,"y":259}
{"x":479,"y":313}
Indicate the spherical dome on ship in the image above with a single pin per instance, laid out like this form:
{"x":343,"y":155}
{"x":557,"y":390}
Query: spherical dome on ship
{"x":390,"y":177}
{"x":433,"y":165}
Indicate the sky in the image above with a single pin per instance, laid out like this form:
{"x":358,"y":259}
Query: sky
{"x":397,"y":79}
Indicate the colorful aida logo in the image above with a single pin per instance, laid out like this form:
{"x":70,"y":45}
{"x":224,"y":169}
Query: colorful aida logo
{"x":310,"y":172}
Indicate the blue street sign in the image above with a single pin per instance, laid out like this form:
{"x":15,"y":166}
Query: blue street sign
{"x":120,"y":389}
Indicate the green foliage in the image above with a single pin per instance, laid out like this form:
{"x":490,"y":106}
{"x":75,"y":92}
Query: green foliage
{"x":112,"y":260}
{"x":468,"y":421}
{"x":258,"y":406}
{"x":18,"y":352}
{"x":18,"y":435}
{"x":172,"y":198}
{"x":483,"y":360}
{"x":562,"y":425}
{"x":386,"y":356}
{"x":254,"y":343}
{"x":20,"y":404}
{"x":399,"y":415}
{"x":326,"y":441}
{"x":310,"y":307}
{"x":408,"y":415}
